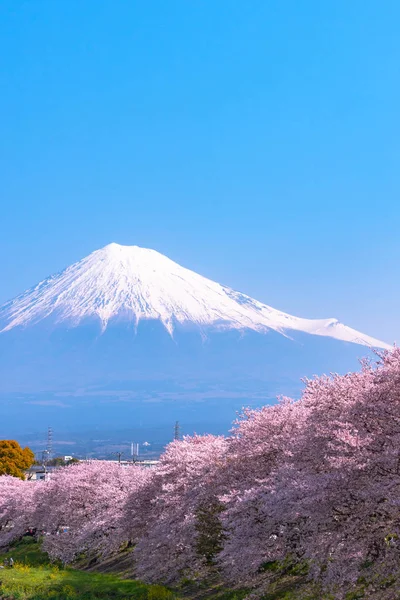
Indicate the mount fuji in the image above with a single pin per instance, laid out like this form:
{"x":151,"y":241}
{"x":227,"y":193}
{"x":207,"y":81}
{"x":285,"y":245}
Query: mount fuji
{"x":128,"y":326}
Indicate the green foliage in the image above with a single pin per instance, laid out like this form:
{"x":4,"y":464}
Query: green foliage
{"x":14,"y":460}
{"x":210,"y":534}
{"x":287,"y":567}
{"x":27,"y":552}
{"x":356,"y":594}
{"x":270,"y":565}
{"x":158,"y":592}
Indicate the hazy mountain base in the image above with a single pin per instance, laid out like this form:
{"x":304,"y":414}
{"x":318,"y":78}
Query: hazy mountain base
{"x":79,"y":379}
{"x":57,"y":358}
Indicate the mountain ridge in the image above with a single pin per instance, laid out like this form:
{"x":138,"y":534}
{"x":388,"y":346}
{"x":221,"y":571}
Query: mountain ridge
{"x":133,"y":284}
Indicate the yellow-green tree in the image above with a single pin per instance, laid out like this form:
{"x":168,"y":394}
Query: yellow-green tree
{"x":14,"y":460}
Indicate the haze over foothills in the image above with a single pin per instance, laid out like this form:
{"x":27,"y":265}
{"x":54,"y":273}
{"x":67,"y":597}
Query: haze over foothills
{"x":256,"y":146}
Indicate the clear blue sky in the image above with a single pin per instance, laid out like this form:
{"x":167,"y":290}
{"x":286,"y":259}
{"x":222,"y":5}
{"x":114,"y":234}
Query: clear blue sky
{"x":257,"y":143}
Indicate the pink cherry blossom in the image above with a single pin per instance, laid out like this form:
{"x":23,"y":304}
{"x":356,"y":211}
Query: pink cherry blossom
{"x":311,"y":484}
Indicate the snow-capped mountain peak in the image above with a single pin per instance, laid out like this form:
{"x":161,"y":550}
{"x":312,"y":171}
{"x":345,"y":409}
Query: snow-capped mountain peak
{"x":136,"y":283}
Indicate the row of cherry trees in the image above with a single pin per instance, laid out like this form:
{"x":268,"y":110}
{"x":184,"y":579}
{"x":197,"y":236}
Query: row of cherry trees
{"x":313,"y":483}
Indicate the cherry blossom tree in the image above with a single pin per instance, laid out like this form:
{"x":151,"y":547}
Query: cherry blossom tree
{"x":169,"y":517}
{"x":351,"y":454}
{"x":80,"y":508}
{"x":258,"y":480}
{"x":331,"y":498}
{"x":311,"y":485}
{"x":17,"y":501}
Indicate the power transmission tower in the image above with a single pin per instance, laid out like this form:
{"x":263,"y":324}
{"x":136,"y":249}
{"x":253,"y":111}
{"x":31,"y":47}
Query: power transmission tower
{"x":49,"y":447}
{"x":177,"y":431}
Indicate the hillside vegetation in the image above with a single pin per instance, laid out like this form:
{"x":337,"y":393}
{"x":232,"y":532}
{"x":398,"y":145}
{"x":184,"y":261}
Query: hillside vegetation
{"x":34,"y":577}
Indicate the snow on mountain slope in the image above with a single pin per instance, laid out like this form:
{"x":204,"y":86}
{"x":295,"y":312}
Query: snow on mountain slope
{"x":135,"y":283}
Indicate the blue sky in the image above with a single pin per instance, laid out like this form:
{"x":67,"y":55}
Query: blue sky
{"x":257,"y":143}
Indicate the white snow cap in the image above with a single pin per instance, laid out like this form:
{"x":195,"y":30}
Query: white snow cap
{"x":137,"y":283}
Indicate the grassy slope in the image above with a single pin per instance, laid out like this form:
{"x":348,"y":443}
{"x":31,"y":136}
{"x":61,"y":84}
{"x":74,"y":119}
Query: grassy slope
{"x":34,"y":578}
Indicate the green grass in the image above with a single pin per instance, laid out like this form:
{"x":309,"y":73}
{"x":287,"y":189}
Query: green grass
{"x":34,"y":578}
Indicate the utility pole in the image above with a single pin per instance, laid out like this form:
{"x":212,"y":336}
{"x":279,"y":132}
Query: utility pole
{"x":119,"y":454}
{"x":45,"y":458}
{"x":177,"y":431}
{"x":134,"y":452}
